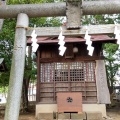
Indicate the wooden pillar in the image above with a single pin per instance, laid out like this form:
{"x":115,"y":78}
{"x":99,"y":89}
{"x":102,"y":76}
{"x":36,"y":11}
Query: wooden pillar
{"x":69,"y":81}
{"x":38,"y":76}
{"x":103,"y":95}
{"x":17,"y":69}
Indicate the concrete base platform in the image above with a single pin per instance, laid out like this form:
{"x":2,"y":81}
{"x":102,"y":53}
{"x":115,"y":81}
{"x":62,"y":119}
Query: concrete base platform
{"x":93,"y":108}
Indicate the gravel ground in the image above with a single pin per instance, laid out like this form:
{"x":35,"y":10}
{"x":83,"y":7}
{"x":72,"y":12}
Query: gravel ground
{"x":112,"y":114}
{"x":27,"y":117}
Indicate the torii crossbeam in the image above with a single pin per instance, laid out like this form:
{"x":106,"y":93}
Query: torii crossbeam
{"x":59,"y":9}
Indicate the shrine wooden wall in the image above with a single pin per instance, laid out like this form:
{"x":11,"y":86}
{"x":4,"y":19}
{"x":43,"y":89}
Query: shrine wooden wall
{"x":51,"y":51}
{"x":48,"y":86}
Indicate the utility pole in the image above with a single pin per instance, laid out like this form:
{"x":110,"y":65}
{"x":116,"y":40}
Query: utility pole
{"x":17,"y":69}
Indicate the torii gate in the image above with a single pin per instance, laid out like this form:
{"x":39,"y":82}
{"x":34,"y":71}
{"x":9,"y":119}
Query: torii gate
{"x":73,"y":9}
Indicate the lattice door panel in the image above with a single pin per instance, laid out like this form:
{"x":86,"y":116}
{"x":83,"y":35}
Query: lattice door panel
{"x":67,"y":77}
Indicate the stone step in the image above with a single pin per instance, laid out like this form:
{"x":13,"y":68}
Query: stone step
{"x":94,"y":116}
{"x":44,"y":116}
{"x":70,"y":116}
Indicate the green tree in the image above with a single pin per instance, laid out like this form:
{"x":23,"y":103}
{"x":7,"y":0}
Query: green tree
{"x":112,"y":64}
{"x":6,"y":48}
{"x":7,"y":40}
{"x":109,"y":49}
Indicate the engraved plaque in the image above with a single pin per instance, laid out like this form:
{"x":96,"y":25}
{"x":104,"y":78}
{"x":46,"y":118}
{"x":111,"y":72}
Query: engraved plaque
{"x":69,"y":102}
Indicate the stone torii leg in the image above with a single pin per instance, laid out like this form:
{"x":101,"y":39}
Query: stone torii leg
{"x":3,"y":3}
{"x":17,"y":69}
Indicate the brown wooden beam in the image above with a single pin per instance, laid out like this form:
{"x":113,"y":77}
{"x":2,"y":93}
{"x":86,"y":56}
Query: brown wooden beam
{"x":59,"y":9}
{"x":92,"y":29}
{"x":38,"y":77}
{"x":49,"y":60}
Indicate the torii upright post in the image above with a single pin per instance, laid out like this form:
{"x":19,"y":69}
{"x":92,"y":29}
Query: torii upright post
{"x":17,"y":69}
{"x":1,"y":20}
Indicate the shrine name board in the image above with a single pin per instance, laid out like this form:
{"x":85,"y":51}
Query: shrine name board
{"x":69,"y":102}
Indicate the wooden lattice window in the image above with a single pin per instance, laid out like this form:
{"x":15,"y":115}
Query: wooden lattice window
{"x":76,"y":71}
{"x":61,"y":71}
{"x":71,"y":71}
{"x":46,"y":72}
{"x":89,"y":71}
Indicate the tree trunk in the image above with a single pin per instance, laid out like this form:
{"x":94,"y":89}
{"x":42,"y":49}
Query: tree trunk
{"x":112,"y":86}
{"x":24,"y":103}
{"x":108,"y":83}
{"x":26,"y":81}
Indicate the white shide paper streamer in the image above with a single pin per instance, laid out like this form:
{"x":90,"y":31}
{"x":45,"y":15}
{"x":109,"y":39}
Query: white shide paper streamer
{"x":34,"y":41}
{"x":88,"y":42}
{"x":61,"y":42}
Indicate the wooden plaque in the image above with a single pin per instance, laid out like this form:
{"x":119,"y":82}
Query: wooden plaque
{"x":69,"y":102}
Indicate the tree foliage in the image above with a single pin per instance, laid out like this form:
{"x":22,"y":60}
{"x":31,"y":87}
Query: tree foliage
{"x":112,"y":64}
{"x":111,"y":57}
{"x":8,"y":32}
{"x":6,"y":47}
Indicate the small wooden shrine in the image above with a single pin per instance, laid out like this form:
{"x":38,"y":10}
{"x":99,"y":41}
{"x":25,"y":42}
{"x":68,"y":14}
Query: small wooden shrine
{"x":76,"y":71}
{"x":73,"y":72}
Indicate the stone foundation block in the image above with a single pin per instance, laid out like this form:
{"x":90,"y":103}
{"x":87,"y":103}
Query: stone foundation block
{"x":63,"y":116}
{"x":44,"y":116}
{"x":94,"y":116}
{"x":77,"y":116}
